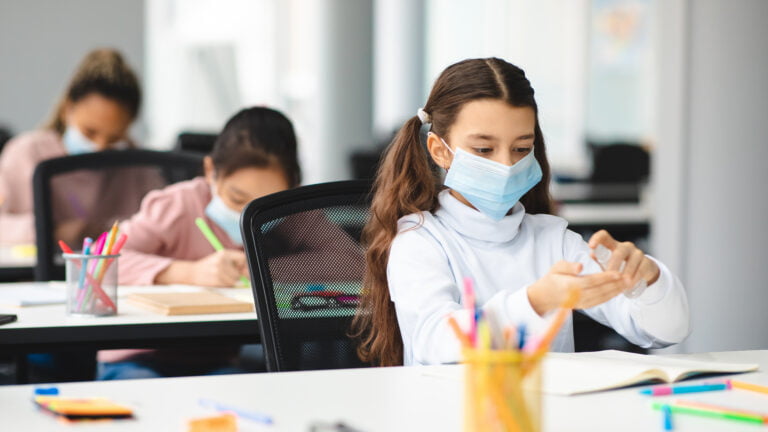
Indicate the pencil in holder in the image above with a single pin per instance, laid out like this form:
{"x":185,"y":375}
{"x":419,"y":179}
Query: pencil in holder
{"x":91,"y":284}
{"x":502,"y":391}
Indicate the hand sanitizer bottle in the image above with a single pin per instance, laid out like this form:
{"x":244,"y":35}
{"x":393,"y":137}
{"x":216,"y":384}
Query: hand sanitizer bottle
{"x":603,"y":255}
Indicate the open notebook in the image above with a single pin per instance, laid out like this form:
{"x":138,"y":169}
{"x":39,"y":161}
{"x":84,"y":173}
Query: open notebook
{"x":574,"y":373}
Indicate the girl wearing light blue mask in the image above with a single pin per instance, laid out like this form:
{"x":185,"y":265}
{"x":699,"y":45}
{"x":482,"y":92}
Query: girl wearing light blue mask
{"x":94,"y":113}
{"x":255,"y":155}
{"x":489,"y":218}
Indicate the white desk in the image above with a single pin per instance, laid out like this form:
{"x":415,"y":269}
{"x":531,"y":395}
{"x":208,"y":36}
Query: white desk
{"x":48,"y":328}
{"x":379,"y":399}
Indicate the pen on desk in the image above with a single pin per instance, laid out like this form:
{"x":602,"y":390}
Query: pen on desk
{"x":666,"y":412}
{"x":213,"y":240}
{"x":244,"y":414}
{"x":707,"y":412}
{"x":748,"y":386}
{"x":696,"y":388}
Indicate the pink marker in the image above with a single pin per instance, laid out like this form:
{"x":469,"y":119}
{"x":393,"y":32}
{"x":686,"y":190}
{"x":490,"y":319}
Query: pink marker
{"x":469,"y":300}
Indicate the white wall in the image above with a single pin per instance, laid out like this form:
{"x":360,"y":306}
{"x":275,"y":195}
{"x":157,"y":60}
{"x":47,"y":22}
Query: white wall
{"x":713,"y":146}
{"x":42,"y":41}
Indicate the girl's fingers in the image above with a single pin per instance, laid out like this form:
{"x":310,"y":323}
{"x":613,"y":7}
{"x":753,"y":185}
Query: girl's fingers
{"x":566,"y":267}
{"x":602,"y":237}
{"x":632,"y":267}
{"x":596,"y":295}
{"x":597,"y":279}
{"x":619,"y":256}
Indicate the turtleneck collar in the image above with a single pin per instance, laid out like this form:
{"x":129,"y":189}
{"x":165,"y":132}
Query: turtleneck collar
{"x":473,"y":224}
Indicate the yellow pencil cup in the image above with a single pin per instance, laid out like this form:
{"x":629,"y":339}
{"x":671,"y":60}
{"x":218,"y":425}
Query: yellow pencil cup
{"x":502,"y":392}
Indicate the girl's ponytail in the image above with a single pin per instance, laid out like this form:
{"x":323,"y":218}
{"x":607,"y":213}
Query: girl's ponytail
{"x":406,"y":182}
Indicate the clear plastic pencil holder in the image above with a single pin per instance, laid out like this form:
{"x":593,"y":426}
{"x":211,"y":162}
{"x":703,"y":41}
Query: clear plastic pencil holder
{"x":91,"y":284}
{"x":502,"y":392}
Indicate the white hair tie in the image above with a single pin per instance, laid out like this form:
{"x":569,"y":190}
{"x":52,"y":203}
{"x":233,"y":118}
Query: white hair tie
{"x":424,"y":116}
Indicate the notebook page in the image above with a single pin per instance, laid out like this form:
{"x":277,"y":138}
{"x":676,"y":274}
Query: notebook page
{"x":573,"y":373}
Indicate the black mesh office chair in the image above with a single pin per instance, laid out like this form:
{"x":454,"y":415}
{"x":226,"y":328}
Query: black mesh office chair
{"x":306,"y":263}
{"x":82,"y":195}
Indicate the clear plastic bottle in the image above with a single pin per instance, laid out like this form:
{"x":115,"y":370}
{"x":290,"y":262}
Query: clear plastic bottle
{"x":603,"y":255}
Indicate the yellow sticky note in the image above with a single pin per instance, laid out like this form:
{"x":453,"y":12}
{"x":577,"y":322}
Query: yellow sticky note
{"x":219,"y":423}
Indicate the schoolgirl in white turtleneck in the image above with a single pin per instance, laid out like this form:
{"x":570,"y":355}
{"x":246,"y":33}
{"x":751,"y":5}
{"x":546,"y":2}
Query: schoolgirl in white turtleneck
{"x":489,"y":221}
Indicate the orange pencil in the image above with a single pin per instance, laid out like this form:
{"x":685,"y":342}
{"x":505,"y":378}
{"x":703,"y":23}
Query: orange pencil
{"x":748,"y":386}
{"x":111,"y":239}
{"x":460,"y":335}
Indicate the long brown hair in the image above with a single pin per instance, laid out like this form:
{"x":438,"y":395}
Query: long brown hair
{"x":102,"y":71}
{"x":408,"y":181}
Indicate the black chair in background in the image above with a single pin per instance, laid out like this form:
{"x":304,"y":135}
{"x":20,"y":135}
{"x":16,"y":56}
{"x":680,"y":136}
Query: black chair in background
{"x":195,"y":142}
{"x":117,"y":182}
{"x":306,"y":299}
{"x":5,"y":136}
{"x":114,"y":182}
{"x":619,"y":162}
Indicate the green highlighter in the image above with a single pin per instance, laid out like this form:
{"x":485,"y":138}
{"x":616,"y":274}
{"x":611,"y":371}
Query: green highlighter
{"x":211,"y":237}
{"x":705,"y":410}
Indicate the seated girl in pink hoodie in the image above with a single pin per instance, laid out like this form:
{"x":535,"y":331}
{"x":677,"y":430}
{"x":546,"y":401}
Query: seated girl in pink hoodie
{"x":254,"y":156}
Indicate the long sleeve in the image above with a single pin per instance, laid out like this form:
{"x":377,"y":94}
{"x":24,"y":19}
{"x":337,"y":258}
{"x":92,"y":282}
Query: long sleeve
{"x":659,"y":317}
{"x":17,"y":165}
{"x":149,"y":232}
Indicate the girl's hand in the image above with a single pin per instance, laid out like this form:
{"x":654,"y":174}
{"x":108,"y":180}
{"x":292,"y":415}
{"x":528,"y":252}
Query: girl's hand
{"x":550,"y":291}
{"x":636,"y":266}
{"x":220,"y":269}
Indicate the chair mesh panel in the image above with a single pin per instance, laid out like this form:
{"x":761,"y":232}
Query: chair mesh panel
{"x":93,"y":200}
{"x":315,"y":267}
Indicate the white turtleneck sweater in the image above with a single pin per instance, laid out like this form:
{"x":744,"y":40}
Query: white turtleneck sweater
{"x":433,"y":253}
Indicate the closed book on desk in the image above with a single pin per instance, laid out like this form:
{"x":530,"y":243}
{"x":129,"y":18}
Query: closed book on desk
{"x":189,"y":303}
{"x":574,"y":373}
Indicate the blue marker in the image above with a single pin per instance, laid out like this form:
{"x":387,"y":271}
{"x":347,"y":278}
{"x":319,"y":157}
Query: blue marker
{"x":247,"y":415}
{"x":696,"y":388}
{"x":667,"y":413}
{"x":521,"y":336}
{"x":47,"y":391}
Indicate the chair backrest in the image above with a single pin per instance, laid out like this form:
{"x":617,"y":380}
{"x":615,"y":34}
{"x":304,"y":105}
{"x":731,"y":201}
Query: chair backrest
{"x":306,"y":264}
{"x":619,"y":163}
{"x":5,"y":136}
{"x":195,"y":142}
{"x":83,"y":195}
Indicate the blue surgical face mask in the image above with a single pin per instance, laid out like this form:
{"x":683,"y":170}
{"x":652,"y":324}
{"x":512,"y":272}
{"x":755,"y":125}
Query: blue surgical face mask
{"x":491,"y":187}
{"x":76,"y":143}
{"x":226,"y":218}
